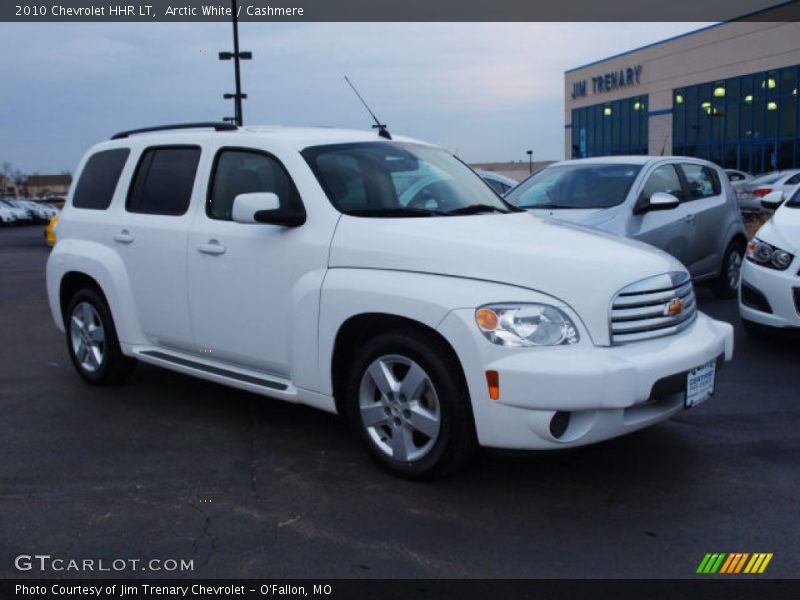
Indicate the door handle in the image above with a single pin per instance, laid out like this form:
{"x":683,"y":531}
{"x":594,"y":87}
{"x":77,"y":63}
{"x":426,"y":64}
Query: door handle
{"x":211,"y":247}
{"x":123,"y":237}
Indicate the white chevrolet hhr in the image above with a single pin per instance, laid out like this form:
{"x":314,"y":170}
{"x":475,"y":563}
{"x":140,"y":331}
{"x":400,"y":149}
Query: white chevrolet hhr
{"x":381,"y":279}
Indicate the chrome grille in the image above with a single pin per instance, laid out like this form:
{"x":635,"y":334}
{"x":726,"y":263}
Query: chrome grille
{"x":649,"y":308}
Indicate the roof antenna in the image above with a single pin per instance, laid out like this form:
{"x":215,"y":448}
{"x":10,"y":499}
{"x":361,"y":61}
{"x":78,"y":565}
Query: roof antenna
{"x":381,"y":127}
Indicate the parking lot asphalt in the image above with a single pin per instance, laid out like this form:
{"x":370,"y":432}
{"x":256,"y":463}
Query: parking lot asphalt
{"x":167,"y":466}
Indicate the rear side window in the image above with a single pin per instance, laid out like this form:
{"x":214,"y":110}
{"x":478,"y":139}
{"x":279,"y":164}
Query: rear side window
{"x":794,"y":180}
{"x":99,"y":179}
{"x":702,"y":182}
{"x":239,"y":171}
{"x":163,"y":181}
{"x":663,"y":179}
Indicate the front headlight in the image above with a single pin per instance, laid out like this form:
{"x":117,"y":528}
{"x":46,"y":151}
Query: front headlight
{"x":525,"y":325}
{"x":767,"y":255}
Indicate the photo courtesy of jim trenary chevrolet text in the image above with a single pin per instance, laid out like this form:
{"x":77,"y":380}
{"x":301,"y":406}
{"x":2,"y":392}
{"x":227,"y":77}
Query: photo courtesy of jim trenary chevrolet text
{"x":444,"y":299}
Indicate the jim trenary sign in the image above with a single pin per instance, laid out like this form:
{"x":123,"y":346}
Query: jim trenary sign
{"x":608,"y":82}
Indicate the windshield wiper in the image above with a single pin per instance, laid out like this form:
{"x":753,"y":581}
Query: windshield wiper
{"x":474,"y":209}
{"x":394,"y":212}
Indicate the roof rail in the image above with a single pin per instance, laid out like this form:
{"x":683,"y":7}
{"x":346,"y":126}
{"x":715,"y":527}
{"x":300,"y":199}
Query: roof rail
{"x":217,"y":126}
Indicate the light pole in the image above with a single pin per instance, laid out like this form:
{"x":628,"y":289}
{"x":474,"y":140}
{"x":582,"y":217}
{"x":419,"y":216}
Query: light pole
{"x":236,"y":55}
{"x":530,"y":160}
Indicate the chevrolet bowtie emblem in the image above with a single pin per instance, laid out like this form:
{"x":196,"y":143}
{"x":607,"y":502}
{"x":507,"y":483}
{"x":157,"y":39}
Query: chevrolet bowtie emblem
{"x":675,"y":307}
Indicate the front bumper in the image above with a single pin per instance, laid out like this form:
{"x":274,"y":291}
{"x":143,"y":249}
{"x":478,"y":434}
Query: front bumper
{"x":778,"y":288}
{"x":607,"y":391}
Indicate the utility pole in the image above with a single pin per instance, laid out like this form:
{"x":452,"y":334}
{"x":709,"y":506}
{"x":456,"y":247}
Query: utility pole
{"x":236,"y":55}
{"x":530,"y":160}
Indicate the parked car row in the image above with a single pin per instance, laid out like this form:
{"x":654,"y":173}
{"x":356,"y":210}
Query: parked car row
{"x":14,"y":211}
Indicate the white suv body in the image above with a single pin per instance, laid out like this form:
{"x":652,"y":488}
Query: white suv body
{"x":431,"y":333}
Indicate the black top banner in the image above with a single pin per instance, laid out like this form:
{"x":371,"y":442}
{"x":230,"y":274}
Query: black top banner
{"x":399,"y":11}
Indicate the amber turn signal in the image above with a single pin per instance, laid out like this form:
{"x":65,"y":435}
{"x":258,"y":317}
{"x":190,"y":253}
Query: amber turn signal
{"x":493,"y":381}
{"x":486,"y":319}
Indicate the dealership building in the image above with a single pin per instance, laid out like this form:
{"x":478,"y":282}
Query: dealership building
{"x":727,"y":93}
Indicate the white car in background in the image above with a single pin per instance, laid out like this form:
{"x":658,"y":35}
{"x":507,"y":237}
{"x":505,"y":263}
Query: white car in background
{"x":41,"y":211}
{"x":737,"y":177}
{"x":769,"y":296}
{"x":22,"y":215}
{"x":750,"y":193}
{"x":7,"y":216}
{"x":499,"y":183}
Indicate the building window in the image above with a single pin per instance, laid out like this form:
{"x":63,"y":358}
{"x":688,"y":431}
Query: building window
{"x":611,"y":128}
{"x":748,"y":122}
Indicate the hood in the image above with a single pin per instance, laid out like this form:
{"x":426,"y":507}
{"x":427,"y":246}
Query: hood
{"x":588,"y":217}
{"x":783,"y":229}
{"x":581,"y":267}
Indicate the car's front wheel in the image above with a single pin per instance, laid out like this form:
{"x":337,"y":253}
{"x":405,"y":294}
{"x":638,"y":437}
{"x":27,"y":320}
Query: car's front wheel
{"x":92,"y":340}
{"x":407,"y":400}
{"x":727,"y":284}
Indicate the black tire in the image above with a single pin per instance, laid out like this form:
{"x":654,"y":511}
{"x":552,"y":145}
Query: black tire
{"x":454,"y":443}
{"x":114,"y":367}
{"x":722,"y":286}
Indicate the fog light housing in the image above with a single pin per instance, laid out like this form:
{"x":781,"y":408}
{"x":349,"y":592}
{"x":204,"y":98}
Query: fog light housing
{"x":559,"y":423}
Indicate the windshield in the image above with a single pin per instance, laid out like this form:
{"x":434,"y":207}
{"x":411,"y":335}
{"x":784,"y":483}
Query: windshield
{"x":575,"y":186}
{"x":6,"y":204}
{"x":380,"y":179}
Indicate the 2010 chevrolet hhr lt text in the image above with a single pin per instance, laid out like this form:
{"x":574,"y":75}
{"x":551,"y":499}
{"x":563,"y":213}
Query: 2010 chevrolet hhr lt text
{"x":378,"y":278}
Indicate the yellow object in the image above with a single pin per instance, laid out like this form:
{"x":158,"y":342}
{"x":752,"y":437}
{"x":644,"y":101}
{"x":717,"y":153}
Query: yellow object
{"x":50,"y":231}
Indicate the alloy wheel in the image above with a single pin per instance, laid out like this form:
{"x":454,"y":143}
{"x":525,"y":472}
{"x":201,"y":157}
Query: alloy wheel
{"x":399,"y":407}
{"x":88,"y":337}
{"x":734,"y":268}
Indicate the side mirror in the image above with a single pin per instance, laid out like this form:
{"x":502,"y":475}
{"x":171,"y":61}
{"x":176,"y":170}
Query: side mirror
{"x":658,"y":201}
{"x":772,"y":200}
{"x":265,"y":207}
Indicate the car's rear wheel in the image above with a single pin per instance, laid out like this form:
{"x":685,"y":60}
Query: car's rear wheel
{"x":92,"y":340}
{"x":407,"y":401}
{"x":727,"y":284}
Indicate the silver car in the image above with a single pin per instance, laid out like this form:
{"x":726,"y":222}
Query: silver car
{"x":684,"y":206}
{"x":751,"y":193}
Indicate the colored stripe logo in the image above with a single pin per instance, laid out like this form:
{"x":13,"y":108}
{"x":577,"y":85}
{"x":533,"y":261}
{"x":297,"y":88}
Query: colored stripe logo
{"x":734,"y":563}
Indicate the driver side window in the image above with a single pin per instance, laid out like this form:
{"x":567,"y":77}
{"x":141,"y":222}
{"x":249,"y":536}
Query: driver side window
{"x":663,"y":179}
{"x":243,"y":172}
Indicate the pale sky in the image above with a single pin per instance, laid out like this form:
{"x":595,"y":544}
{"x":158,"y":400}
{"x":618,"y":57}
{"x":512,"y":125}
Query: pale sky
{"x":489,"y":91}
